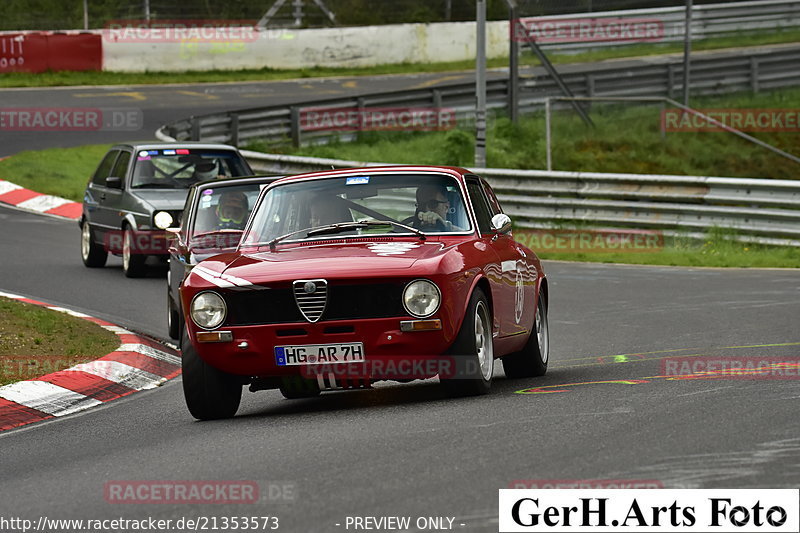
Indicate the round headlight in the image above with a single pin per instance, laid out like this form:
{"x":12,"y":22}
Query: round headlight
{"x":421,"y":298}
{"x":208,"y":310}
{"x":163,"y":220}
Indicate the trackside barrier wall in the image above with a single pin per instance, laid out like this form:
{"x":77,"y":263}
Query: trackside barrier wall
{"x":388,"y":44}
{"x":424,"y":43}
{"x":42,"y":51}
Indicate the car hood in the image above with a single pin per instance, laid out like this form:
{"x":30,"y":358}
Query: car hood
{"x":363,"y":259}
{"x":163,"y":199}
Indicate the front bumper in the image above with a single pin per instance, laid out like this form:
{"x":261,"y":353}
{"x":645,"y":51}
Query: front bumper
{"x":389,"y":352}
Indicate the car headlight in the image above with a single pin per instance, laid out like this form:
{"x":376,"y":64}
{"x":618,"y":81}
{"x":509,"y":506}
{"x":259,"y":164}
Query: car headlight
{"x":163,"y":220}
{"x":421,"y":298}
{"x":208,"y":310}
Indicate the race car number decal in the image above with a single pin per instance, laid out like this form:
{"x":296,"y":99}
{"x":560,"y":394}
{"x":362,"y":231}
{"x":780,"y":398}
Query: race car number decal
{"x":316,"y":354}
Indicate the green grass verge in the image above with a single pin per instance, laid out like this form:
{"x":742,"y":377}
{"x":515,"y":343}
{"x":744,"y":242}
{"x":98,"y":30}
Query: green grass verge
{"x":35,"y":341}
{"x":718,"y":249}
{"x":59,"y":171}
{"x":48,"y":79}
{"x":627,"y":138}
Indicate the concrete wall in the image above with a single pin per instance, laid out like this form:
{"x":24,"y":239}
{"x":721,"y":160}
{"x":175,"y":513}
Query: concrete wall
{"x":291,"y":49}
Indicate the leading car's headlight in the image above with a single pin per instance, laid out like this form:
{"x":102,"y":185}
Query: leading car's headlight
{"x":208,"y":310}
{"x":421,"y":298}
{"x":163,"y":220}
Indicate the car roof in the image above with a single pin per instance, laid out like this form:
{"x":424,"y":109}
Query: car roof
{"x":419,"y":169}
{"x":241,"y":180}
{"x":185,"y":144}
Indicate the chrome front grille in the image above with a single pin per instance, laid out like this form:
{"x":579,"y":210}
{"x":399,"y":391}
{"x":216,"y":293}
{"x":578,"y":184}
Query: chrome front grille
{"x":311,"y":296}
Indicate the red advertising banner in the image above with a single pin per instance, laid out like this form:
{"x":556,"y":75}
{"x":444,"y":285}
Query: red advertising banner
{"x":39,"y":52}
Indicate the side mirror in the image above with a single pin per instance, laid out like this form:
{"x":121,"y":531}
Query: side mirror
{"x":113,"y":182}
{"x":501,"y":223}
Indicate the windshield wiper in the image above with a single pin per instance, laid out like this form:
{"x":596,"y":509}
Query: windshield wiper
{"x":344,"y":226}
{"x":331,"y":229}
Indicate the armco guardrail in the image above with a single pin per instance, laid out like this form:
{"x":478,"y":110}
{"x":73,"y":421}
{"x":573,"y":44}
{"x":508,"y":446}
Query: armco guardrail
{"x":711,"y":20}
{"x":759,"y":210}
{"x":719,"y":72}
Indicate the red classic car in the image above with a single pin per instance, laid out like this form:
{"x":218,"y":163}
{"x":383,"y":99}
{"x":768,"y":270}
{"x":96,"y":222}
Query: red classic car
{"x":347,"y":277}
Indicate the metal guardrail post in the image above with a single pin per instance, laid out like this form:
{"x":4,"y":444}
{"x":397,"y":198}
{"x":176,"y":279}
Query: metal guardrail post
{"x":754,"y":84}
{"x":513,"y":64}
{"x":437,"y":98}
{"x":295,"y":126}
{"x":548,"y":138}
{"x":235,"y":129}
{"x":195,"y":128}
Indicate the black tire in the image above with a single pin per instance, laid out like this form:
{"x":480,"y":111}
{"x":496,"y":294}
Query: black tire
{"x":174,"y":319}
{"x":132,"y":264}
{"x":473,"y":356}
{"x":296,"y":388}
{"x":210,"y":394}
{"x":532,"y":360}
{"x":92,"y":254}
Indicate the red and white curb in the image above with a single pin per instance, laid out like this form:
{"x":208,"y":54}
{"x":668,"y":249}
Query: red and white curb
{"x":13,"y":194}
{"x":138,"y":364}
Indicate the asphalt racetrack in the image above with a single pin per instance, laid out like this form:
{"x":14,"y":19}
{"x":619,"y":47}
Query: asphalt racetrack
{"x":608,"y":409}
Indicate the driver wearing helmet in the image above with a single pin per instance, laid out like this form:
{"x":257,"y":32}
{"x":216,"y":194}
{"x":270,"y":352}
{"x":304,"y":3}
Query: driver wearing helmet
{"x":232,"y":210}
{"x":205,"y":170}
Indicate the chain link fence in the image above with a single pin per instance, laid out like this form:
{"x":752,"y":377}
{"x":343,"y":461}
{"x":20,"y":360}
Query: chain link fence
{"x":69,"y":14}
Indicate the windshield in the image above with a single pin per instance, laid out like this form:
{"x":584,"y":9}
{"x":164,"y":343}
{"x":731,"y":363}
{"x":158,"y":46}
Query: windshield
{"x":225,"y":208}
{"x":180,"y":168}
{"x":427,"y":202}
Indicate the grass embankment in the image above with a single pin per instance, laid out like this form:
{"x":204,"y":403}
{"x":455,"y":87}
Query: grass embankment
{"x":627,"y":138}
{"x":59,"y":171}
{"x":35,"y":341}
{"x":48,"y":79}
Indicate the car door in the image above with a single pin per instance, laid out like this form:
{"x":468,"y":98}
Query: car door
{"x":95,"y":196}
{"x":113,"y":202}
{"x":524,"y":271}
{"x":508,"y":274}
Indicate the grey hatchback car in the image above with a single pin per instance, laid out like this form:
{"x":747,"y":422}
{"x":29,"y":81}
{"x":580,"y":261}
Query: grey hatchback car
{"x":139,"y":190}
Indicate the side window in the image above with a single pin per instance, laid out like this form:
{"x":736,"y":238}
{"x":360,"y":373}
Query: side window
{"x":104,"y":170}
{"x":480,"y":205}
{"x":493,"y":203}
{"x":121,"y":166}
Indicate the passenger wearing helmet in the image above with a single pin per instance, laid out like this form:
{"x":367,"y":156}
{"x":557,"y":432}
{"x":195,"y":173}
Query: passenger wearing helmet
{"x":232,"y":210}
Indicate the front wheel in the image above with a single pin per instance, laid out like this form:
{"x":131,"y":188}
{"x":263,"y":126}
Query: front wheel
{"x":472,"y":351}
{"x":210,"y":394}
{"x":132,"y":263}
{"x":532,"y":360}
{"x":92,"y":254}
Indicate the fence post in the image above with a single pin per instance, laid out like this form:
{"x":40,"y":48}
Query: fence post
{"x":670,"y":79}
{"x":754,"y":85}
{"x":295,"y":126}
{"x":195,"y":128}
{"x":235,"y":129}
{"x":548,"y":137}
